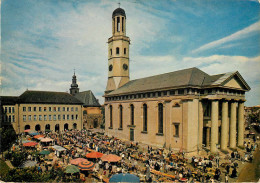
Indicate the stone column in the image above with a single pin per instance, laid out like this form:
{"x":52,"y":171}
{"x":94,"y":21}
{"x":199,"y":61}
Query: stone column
{"x":200,"y":124}
{"x":214,"y":126}
{"x":224,"y":126}
{"x":232,"y":129}
{"x":207,"y":136}
{"x":240,"y":140}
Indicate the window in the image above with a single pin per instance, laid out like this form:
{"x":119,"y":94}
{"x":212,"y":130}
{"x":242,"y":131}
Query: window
{"x":68,"y":109}
{"x":68,"y":117}
{"x":111,"y":52}
{"x":111,"y":116}
{"x":59,"y":109}
{"x":49,"y":117}
{"x":34,"y":117}
{"x":118,"y":24}
{"x":13,"y":120}
{"x":29,"y":109}
{"x":176,"y":129}
{"x":122,"y":24}
{"x":72,"y":117}
{"x":40,"y":109}
{"x":49,"y":108}
{"x":24,"y":109}
{"x":124,"y":50}
{"x":63,"y":109}
{"x":160,"y":118}
{"x":54,"y":117}
{"x":24,"y":117}
{"x":12,"y":109}
{"x":181,"y":92}
{"x":54,"y":109}
{"x":5,"y":109}
{"x":72,"y":109}
{"x":172,"y":92}
{"x":45,"y":117}
{"x":117,"y":50}
{"x":76,"y":108}
{"x":145,"y":118}
{"x":40,"y":117}
{"x":76,"y":116}
{"x":159,"y":94}
{"x":34,"y":108}
{"x":59,"y":117}
{"x":29,"y":118}
{"x":10,"y":119}
{"x":121,"y":116}
{"x":132,"y":114}
{"x":44,"y":109}
{"x":64,"y":117}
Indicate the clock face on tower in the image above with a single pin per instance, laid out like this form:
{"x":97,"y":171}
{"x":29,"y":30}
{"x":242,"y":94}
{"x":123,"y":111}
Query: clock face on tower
{"x":125,"y":67}
{"x":110,"y":68}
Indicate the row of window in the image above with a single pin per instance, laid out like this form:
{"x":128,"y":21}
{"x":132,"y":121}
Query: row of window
{"x":117,"y":51}
{"x":10,"y":118}
{"x":175,"y":92}
{"x":51,"y":117}
{"x":49,"y":109}
{"x":9,"y":110}
{"x":145,"y":115}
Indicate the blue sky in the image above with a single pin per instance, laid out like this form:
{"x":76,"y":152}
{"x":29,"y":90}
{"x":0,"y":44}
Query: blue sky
{"x":42,"y":41}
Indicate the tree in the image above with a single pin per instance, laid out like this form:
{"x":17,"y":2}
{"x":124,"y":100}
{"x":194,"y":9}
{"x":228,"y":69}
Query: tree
{"x":8,"y":137}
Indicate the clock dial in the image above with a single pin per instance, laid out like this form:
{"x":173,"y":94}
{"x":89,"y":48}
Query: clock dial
{"x":110,"y":68}
{"x":125,"y":67}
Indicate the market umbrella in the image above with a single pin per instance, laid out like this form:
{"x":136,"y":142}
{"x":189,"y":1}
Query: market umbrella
{"x":46,"y":140}
{"x":30,"y":144}
{"x":45,"y":152}
{"x":25,"y":141}
{"x":71,"y":169}
{"x":38,"y":136}
{"x":33,"y":133}
{"x":94,"y":154}
{"x":124,"y":177}
{"x":86,"y":165}
{"x":110,"y":158}
{"x":77,"y":161}
{"x":28,"y":163}
{"x":27,"y":130}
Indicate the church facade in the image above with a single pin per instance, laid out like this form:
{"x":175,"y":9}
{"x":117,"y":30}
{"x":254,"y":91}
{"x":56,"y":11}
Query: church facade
{"x":182,"y":110}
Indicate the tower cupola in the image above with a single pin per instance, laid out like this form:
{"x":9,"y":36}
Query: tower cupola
{"x":74,"y":86}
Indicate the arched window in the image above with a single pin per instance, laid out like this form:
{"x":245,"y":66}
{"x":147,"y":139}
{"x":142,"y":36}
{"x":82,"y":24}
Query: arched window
{"x":132,"y":114}
{"x":118,"y":24}
{"x":111,"y":116}
{"x":117,"y":50}
{"x":122,"y":24}
{"x":121,"y":116}
{"x":160,"y":118}
{"x":145,"y":118}
{"x":27,"y":127}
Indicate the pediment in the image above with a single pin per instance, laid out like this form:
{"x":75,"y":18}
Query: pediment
{"x":236,"y":81}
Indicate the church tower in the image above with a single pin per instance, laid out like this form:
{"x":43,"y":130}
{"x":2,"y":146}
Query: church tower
{"x":118,"y":52}
{"x":74,"y":86}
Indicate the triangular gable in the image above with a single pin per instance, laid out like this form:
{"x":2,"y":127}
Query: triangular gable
{"x":235,"y":81}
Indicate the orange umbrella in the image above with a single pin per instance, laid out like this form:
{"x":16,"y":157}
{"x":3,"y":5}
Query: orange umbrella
{"x":27,"y":130}
{"x":110,"y":158}
{"x":94,"y":154}
{"x":30,"y":144}
{"x":86,"y":165}
{"x":38,"y":136}
{"x":77,"y":161}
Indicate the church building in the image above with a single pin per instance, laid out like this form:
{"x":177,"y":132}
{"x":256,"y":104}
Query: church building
{"x":182,"y":110}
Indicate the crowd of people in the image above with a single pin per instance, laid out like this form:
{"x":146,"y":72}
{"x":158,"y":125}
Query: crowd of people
{"x":147,"y":162}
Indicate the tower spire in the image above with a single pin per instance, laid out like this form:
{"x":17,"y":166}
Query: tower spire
{"x":74,"y":86}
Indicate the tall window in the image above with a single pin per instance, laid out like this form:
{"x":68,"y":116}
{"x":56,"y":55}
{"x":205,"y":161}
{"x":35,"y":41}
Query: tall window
{"x":40,"y":117}
{"x":34,"y":117}
{"x":29,"y":118}
{"x":160,"y":118}
{"x":132,"y":114}
{"x":110,"y":51}
{"x":24,"y":117}
{"x":145,"y":118}
{"x":117,"y":50}
{"x":24,"y":109}
{"x":122,"y":24}
{"x":13,"y":118}
{"x":118,"y":24}
{"x":121,"y":116}
{"x":34,"y":108}
{"x":111,"y":116}
{"x":45,"y":117}
{"x":176,"y":126}
{"x":40,"y":109}
{"x":29,"y":109}
{"x":124,"y":50}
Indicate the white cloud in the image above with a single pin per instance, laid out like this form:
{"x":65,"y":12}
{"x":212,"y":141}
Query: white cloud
{"x":235,"y":36}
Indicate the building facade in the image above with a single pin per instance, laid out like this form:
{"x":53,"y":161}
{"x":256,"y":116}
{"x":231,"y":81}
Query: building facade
{"x":42,"y":110}
{"x":185,"y":109}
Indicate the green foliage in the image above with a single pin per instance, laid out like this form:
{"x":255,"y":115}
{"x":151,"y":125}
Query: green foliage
{"x":254,"y":117}
{"x":8,"y":137}
{"x":18,"y":158}
{"x":4,"y":168}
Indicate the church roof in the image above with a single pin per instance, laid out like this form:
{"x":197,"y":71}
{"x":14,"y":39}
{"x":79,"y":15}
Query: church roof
{"x":87,"y":98}
{"x":191,"y":77}
{"x":8,"y":100}
{"x":47,"y":97}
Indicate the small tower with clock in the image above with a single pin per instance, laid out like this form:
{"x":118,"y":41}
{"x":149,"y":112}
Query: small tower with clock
{"x":118,"y":52}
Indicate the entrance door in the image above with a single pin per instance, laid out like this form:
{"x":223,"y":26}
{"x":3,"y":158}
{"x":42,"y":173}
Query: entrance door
{"x":95,"y":123}
{"x":57,"y":128}
{"x":132,"y":135}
